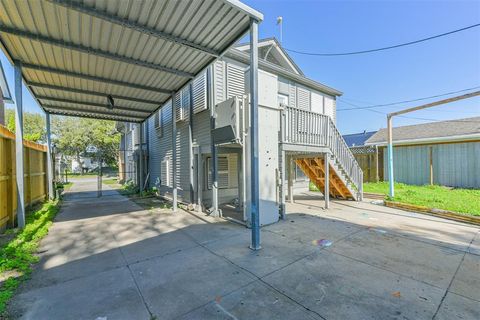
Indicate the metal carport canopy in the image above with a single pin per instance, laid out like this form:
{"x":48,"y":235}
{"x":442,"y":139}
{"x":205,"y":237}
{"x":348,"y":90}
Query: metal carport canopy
{"x":74,"y":53}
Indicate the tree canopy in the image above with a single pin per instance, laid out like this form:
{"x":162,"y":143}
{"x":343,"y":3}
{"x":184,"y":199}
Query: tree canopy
{"x":72,"y":136}
{"x":33,"y":125}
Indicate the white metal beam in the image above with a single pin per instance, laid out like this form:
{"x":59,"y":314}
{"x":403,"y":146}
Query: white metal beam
{"x":19,"y":146}
{"x":90,"y":93}
{"x":211,"y":105}
{"x":93,"y":104}
{"x":51,"y":195}
{"x":90,"y":114}
{"x":254,"y":178}
{"x":93,"y":78}
{"x":174,"y":155}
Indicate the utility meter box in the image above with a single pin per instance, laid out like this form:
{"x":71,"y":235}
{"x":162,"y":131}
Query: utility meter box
{"x":228,"y":128}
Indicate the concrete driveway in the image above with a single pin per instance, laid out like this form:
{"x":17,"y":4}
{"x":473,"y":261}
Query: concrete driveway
{"x":107,"y":258}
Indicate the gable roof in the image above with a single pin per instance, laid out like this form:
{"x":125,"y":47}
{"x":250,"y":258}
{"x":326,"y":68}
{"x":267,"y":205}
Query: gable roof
{"x":450,"y":130}
{"x":271,"y":50}
{"x":268,"y":66}
{"x":4,"y":89}
{"x":358,"y":139}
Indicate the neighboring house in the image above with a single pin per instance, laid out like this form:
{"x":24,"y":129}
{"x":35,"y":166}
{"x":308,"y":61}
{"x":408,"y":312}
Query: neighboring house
{"x":444,"y":152}
{"x":296,"y":122}
{"x":356,"y":140}
{"x":83,"y":165}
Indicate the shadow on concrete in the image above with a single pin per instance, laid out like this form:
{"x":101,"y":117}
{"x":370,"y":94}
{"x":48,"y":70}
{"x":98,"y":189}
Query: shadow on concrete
{"x":110,"y":258}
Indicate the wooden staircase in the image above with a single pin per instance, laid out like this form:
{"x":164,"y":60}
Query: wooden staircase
{"x":314,"y":169}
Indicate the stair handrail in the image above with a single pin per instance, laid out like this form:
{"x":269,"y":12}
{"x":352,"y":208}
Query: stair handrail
{"x":320,"y":130}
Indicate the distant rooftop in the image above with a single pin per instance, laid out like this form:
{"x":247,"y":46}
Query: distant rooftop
{"x":468,"y":128}
{"x":357,"y":139}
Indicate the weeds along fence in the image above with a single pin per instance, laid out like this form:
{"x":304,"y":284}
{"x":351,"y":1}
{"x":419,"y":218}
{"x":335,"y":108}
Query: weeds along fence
{"x":35,"y":175}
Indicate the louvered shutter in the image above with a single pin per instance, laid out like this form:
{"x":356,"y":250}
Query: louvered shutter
{"x":235,"y":81}
{"x":159,"y":122}
{"x":200,"y":93}
{"x":165,"y":173}
{"x":186,"y":102}
{"x":219,"y":81}
{"x":223,"y":173}
{"x":178,"y":106}
{"x":293,"y":96}
{"x":303,"y":98}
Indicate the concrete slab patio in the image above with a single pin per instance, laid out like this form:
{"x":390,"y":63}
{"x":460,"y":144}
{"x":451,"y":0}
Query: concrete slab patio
{"x":107,"y":258}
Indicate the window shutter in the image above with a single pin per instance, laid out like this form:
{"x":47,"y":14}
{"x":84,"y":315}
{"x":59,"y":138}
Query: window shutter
{"x":159,"y":122}
{"x":235,"y":81}
{"x":293,"y":96}
{"x":222,"y":173}
{"x":200,"y":93}
{"x":219,"y":81}
{"x":165,"y":173}
{"x":303,"y":98}
{"x":178,"y":106}
{"x":186,"y":102}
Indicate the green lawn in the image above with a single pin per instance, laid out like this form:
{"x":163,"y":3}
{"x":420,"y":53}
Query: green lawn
{"x":466,"y":201}
{"x":17,"y":253}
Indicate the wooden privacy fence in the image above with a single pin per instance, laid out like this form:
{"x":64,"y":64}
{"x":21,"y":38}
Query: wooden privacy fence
{"x":370,"y":160}
{"x":35,"y":175}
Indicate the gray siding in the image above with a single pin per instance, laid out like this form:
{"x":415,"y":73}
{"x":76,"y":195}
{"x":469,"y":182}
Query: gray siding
{"x":454,"y":165}
{"x":411,"y":165}
{"x":457,"y":164}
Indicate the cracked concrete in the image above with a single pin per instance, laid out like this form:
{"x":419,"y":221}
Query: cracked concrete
{"x":108,"y":258}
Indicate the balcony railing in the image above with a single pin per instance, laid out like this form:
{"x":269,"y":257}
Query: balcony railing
{"x":308,"y":128}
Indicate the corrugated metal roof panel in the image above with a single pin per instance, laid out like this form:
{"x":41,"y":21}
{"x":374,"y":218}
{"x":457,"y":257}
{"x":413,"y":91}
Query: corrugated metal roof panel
{"x":138,"y":48}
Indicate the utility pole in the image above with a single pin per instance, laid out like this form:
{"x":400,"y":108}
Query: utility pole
{"x":390,"y":129}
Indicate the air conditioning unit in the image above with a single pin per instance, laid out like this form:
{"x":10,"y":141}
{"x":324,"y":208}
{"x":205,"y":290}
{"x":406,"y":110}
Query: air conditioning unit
{"x":228,"y":122}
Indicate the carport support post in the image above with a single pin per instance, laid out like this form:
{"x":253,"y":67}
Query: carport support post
{"x":190,"y":146}
{"x":49,"y":159}
{"x":174,"y":154}
{"x":211,"y":104}
{"x":283,"y":188}
{"x":19,"y":145}
{"x":326,"y":183}
{"x":255,"y":197}
{"x":140,"y":162}
{"x":290,"y":179}
{"x":390,"y":156}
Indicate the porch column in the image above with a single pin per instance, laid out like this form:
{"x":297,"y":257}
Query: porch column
{"x":174,"y":154}
{"x":326,"y":190}
{"x":19,"y":145}
{"x":49,"y":159}
{"x":211,"y":105}
{"x":290,"y":179}
{"x":254,"y":178}
{"x":190,"y":146}
{"x":140,"y":162}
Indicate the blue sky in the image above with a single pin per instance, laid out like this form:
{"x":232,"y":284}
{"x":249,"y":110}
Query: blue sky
{"x":442,"y":65}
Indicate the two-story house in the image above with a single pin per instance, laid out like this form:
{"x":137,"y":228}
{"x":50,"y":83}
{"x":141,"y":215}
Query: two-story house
{"x":199,"y":147}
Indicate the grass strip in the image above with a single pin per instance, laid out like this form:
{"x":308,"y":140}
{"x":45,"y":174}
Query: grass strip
{"x":18,"y":254}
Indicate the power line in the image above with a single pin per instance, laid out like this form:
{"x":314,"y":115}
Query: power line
{"x":405,"y":101}
{"x":384,"y":48}
{"x":357,"y":107}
